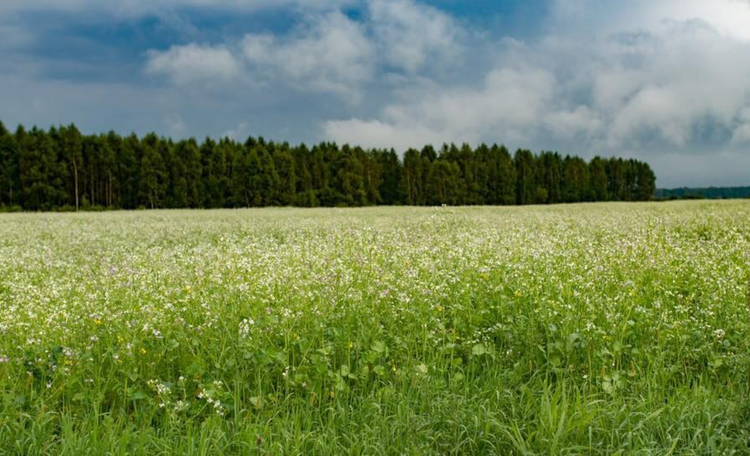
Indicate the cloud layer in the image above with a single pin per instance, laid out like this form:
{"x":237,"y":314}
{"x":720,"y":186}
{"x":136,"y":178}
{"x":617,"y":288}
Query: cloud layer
{"x":674,"y":89}
{"x":327,"y":51}
{"x":661,"y":80}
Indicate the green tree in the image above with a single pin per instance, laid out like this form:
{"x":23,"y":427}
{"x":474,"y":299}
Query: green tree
{"x":645,"y":182}
{"x":265,"y":179}
{"x":9,"y":184}
{"x":41,"y":172}
{"x":526,"y":187}
{"x":285,"y":167}
{"x":598,"y":179}
{"x":72,"y":152}
{"x":443,"y":183}
{"x":350,"y":183}
{"x":61,"y":167}
{"x":575,"y":180}
{"x":153,"y":177}
{"x":550,"y":174}
{"x":507,"y":174}
{"x":391,"y":172}
{"x":412,"y":180}
{"x":128,"y":171}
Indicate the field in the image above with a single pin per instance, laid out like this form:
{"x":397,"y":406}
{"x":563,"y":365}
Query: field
{"x":584,"y":329}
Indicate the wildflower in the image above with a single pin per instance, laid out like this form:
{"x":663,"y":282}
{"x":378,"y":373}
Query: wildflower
{"x":245,"y":326}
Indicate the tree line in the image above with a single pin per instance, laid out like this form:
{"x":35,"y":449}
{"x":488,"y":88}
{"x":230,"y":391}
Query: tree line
{"x":61,"y":168}
{"x":703,"y":193}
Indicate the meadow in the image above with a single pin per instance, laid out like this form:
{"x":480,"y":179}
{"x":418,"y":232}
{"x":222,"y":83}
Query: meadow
{"x":620,"y":328}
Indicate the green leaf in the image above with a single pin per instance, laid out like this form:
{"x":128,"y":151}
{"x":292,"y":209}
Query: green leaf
{"x":479,"y":350}
{"x":379,"y":347}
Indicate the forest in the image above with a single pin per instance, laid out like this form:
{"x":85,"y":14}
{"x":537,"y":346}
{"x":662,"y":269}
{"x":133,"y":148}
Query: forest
{"x":63,"y":169}
{"x":703,"y":193}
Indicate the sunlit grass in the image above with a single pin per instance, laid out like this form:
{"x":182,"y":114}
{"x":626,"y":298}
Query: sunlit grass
{"x":581,"y":329}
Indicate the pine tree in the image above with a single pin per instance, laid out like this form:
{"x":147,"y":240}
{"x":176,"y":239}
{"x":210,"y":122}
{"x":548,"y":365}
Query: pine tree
{"x":285,"y":167}
{"x":469,"y":186}
{"x":265,"y":178}
{"x":107,"y":160}
{"x":646,"y":182}
{"x":412,"y":180}
{"x":575,"y":180}
{"x":598,"y":179}
{"x":391,"y":175}
{"x":128,"y":172}
{"x":443,"y":183}
{"x":526,"y":187}
{"x":9,"y":184}
{"x":349,"y":183}
{"x":72,"y":152}
{"x":507,"y":173}
{"x":551,"y":176}
{"x":153,"y":176}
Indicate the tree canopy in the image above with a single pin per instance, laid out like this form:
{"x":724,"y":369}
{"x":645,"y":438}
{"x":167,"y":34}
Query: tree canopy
{"x":61,"y":168}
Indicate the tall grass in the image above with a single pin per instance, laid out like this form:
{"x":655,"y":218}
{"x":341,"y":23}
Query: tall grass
{"x":589,"y":329}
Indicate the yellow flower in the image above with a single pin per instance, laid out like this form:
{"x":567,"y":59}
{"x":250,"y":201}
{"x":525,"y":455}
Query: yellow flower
{"x":351,"y":344}
{"x":143,"y":351}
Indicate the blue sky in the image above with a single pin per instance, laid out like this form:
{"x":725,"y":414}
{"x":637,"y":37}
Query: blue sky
{"x":659,"y":80}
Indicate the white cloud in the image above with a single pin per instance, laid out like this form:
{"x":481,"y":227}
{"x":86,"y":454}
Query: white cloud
{"x":140,"y":8}
{"x":728,"y":17}
{"x":676,"y":86}
{"x":688,"y":74}
{"x":375,"y":133}
{"x":510,"y":102}
{"x":330,"y":53}
{"x":579,"y":124}
{"x":194,"y":63}
{"x":412,"y":35}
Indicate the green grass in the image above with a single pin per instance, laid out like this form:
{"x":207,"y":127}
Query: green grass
{"x":586,"y":329}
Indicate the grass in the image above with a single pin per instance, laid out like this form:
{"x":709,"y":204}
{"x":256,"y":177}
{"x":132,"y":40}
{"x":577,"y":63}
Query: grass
{"x":585,"y":329}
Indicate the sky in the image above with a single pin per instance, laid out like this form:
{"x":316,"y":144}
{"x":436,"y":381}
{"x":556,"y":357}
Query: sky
{"x":664,"y":81}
